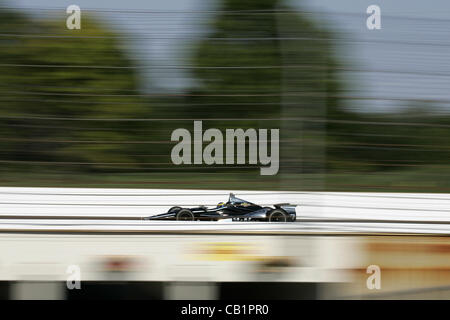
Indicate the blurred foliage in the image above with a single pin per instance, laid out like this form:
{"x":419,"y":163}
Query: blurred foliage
{"x":406,"y":140}
{"x":51,"y":90}
{"x":250,"y":68}
{"x":266,"y":70}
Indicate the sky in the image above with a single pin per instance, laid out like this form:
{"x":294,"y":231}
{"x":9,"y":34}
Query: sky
{"x":407,"y":59}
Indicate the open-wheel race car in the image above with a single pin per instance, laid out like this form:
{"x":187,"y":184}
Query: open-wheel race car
{"x":235,"y":209}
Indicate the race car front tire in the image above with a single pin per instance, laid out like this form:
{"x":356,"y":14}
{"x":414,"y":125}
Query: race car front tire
{"x":185,"y":215}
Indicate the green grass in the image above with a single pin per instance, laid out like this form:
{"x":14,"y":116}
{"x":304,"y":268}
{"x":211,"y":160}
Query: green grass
{"x":427,"y":179}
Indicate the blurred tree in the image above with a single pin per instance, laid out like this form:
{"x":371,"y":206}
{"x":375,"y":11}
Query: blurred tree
{"x":414,"y":137}
{"x":55,"y":83}
{"x":263,"y":60}
{"x":64,"y":94}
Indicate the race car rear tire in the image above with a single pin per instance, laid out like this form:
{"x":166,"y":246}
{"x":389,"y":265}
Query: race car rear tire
{"x":277,"y":215}
{"x":185,"y":215}
{"x":173,"y":209}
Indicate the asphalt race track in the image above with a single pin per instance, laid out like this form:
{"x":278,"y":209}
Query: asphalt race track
{"x":79,"y":210}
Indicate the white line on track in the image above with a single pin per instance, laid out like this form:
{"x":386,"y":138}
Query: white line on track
{"x":75,"y":208}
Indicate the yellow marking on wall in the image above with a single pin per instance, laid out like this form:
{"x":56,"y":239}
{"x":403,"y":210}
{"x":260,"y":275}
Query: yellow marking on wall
{"x":226,"y":251}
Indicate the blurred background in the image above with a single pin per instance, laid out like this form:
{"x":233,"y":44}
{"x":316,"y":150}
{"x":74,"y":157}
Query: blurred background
{"x":358,"y":110}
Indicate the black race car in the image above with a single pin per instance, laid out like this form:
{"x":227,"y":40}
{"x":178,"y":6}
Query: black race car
{"x":235,"y":209}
